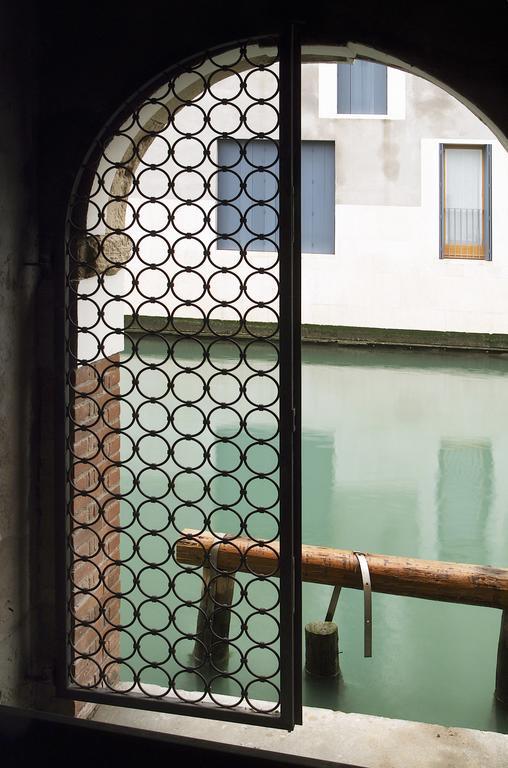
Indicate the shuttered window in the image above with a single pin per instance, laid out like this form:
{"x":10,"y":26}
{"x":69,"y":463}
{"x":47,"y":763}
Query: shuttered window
{"x":248,"y":188}
{"x":249,"y":173}
{"x":318,"y":197}
{"x":361,"y":88}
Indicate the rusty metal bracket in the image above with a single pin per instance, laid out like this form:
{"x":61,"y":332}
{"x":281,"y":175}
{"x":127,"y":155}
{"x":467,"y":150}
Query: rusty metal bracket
{"x":333,"y":603}
{"x":213,"y":552}
{"x":367,"y":604}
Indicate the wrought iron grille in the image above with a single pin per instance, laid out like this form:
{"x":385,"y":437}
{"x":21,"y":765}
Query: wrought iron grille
{"x":179,"y":399}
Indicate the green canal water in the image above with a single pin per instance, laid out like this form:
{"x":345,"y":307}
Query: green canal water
{"x":404,"y":453}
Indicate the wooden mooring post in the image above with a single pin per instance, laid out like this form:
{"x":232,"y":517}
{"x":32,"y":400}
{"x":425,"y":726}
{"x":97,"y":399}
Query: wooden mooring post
{"x":322,"y":649}
{"x":214,"y":617}
{"x":502,"y":661}
{"x":406,"y":576}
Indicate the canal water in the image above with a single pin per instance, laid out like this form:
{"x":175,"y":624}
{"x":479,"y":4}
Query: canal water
{"x":405,"y":453}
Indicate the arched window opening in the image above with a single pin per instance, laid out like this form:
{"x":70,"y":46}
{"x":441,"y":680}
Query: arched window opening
{"x":189,"y":224}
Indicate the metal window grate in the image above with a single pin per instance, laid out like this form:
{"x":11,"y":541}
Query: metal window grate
{"x":179,"y":405}
{"x":464,"y":233}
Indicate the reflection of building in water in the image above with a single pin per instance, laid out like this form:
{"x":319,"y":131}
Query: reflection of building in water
{"x":464,"y":499}
{"x":407,"y":452}
{"x":201,"y":466}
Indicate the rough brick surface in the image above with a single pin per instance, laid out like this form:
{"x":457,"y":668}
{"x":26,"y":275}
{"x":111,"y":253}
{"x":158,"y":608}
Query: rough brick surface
{"x":94,"y":539}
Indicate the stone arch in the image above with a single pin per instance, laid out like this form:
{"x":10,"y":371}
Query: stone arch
{"x":125,"y":142}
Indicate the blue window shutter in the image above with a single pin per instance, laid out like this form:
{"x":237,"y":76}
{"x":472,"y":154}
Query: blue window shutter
{"x":487,"y":196}
{"x":362,"y":88}
{"x":229,"y":191}
{"x":343,"y":89}
{"x":318,"y":197}
{"x":258,"y":172}
{"x":307,"y":196}
{"x":262,"y":188}
{"x":257,"y":183}
{"x":379,"y":87}
{"x":441,"y":201}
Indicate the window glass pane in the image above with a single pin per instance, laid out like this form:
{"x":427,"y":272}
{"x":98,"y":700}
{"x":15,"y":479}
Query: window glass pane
{"x":463,"y":195}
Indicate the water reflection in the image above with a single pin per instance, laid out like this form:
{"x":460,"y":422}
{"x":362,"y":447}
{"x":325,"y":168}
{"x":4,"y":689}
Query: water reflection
{"x":191,"y":463}
{"x":412,"y":441}
{"x":403,"y":453}
{"x":464,"y":499}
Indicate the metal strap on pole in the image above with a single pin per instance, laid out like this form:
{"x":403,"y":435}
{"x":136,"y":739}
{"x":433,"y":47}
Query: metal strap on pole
{"x":367,"y":604}
{"x":213,"y":552}
{"x":333,"y":603}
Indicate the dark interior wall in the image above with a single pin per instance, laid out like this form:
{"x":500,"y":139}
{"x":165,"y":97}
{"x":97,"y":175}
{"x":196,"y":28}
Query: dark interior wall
{"x":64,"y":69}
{"x":94,"y":55}
{"x":18,"y":249}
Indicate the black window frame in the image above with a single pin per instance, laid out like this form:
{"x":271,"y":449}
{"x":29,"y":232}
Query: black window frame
{"x":289,"y":418}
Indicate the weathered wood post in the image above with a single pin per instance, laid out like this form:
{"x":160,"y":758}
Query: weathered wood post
{"x":214,"y":617}
{"x":462,"y":583}
{"x":322,"y":649}
{"x":393,"y":575}
{"x":502,"y":661}
{"x":322,"y":643}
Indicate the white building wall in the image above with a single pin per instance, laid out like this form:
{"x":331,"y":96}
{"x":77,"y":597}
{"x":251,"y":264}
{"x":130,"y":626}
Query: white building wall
{"x":100,"y":317}
{"x":386,"y":271}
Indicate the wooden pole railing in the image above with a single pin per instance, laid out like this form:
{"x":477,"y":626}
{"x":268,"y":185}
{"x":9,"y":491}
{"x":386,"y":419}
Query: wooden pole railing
{"x":393,"y":575}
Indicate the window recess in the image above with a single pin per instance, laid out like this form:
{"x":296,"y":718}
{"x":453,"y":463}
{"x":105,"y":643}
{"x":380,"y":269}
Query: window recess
{"x":465,"y":201}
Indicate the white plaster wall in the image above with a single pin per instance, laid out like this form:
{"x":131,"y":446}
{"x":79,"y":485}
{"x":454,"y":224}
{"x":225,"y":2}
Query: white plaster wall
{"x":204,"y":286}
{"x":101,"y":335}
{"x":385,"y":271}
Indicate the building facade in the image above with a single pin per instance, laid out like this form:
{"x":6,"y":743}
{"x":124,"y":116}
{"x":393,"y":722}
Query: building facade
{"x":404,"y":208}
